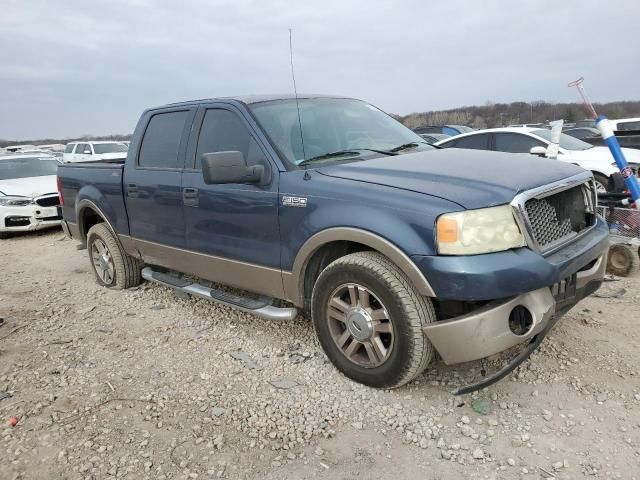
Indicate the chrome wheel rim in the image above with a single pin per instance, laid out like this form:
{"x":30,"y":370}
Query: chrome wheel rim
{"x":102,"y":261}
{"x":360,"y":325}
{"x":600,"y":188}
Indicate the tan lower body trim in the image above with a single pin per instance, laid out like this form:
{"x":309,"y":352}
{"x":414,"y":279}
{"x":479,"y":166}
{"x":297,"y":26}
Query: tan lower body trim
{"x":246,"y":276}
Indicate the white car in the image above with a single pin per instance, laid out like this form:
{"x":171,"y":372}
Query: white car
{"x":536,"y":141}
{"x":94,"y":151}
{"x":28,"y":193}
{"x":625,"y":124}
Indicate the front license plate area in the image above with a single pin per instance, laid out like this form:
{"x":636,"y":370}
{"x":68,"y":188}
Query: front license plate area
{"x":564,"y":292}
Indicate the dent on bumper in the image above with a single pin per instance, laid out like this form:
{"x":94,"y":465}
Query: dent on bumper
{"x":486,"y":331}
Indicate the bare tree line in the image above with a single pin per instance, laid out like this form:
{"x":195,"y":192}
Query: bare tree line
{"x":48,"y":141}
{"x":477,"y":116}
{"x":502,"y":114}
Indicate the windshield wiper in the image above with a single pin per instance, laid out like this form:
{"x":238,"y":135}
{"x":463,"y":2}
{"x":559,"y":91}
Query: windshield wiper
{"x":339,"y":153}
{"x":404,"y":146}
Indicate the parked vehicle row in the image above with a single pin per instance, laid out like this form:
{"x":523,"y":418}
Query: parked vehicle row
{"x":28,"y":193}
{"x":94,"y":151}
{"x":597,"y":160}
{"x":398,"y":250}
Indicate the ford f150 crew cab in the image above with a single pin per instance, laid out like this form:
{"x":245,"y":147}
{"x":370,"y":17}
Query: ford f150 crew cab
{"x":396,"y":249}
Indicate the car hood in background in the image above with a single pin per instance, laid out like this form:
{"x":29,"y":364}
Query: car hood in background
{"x":111,"y":156}
{"x":30,"y":186}
{"x":470,"y":178}
{"x":602,"y":154}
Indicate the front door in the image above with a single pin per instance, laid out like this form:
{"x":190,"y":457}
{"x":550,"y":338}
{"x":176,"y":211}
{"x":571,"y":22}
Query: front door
{"x":153,"y":186}
{"x":233,"y":226}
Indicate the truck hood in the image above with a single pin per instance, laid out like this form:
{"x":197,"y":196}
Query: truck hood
{"x":470,"y":178}
{"x":30,"y":186}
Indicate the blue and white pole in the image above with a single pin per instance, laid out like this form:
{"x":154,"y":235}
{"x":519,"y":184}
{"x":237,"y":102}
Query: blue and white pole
{"x":612,"y":142}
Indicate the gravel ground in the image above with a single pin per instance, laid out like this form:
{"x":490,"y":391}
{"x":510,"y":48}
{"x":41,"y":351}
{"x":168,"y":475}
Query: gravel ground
{"x":142,"y":384}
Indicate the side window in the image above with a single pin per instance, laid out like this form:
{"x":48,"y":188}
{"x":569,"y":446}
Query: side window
{"x":161,"y":141}
{"x":475,"y":142}
{"x":69,"y":148}
{"x":80,"y":148}
{"x":516,"y":143}
{"x":87,"y":149}
{"x":626,"y":126}
{"x":222,"y":131}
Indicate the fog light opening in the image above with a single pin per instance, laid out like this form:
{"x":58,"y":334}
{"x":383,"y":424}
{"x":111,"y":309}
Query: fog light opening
{"x":520,"y":320}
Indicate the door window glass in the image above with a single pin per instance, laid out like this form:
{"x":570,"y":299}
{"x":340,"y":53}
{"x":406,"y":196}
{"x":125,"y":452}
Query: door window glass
{"x":223,"y":131}
{"x":161,"y":141}
{"x":516,"y":143}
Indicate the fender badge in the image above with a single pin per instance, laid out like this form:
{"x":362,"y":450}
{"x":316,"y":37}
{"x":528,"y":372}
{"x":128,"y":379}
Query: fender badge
{"x":300,"y":202}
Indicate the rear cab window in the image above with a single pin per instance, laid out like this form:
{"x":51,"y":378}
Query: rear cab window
{"x":161,"y":142}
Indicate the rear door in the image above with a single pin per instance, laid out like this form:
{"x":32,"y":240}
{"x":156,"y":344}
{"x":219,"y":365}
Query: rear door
{"x":153,"y":185}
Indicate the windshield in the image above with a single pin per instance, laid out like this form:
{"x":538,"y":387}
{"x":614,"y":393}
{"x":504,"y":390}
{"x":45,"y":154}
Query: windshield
{"x":109,"y":147}
{"x":331,"y":125}
{"x":566,"y":141}
{"x":27,"y":167}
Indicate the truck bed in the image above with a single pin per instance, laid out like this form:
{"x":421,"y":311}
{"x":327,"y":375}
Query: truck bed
{"x":97,"y":182}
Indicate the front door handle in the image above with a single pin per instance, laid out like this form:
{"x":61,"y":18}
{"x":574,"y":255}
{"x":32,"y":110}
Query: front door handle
{"x":132,"y":190}
{"x":190,"y":196}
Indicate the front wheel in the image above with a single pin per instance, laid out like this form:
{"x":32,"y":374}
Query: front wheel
{"x":602,"y":182}
{"x":112,"y":266}
{"x":369,"y":319}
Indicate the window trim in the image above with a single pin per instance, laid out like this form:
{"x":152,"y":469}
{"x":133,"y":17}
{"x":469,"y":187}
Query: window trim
{"x":188,"y":123}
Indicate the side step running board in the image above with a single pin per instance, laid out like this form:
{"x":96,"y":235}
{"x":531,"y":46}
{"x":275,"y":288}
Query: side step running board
{"x":261,"y":306}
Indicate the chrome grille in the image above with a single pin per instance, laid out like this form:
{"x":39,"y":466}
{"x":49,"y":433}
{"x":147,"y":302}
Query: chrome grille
{"x":48,"y":201}
{"x":557,"y":218}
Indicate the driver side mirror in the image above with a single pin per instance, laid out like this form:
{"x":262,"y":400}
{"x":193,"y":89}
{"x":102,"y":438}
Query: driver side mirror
{"x":539,"y":151}
{"x":229,"y":167}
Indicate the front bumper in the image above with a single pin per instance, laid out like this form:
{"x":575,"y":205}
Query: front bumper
{"x":28,"y":218}
{"x":486,"y":331}
{"x":510,"y":273}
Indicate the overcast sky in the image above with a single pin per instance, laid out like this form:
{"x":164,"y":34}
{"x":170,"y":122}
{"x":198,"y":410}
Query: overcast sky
{"x":69,"y":68}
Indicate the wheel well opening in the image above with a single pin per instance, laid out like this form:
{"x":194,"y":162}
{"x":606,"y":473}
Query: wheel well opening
{"x":322,"y":257}
{"x":89,"y":219}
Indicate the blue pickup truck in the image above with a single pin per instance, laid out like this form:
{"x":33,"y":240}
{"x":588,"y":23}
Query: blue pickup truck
{"x":397,"y":250}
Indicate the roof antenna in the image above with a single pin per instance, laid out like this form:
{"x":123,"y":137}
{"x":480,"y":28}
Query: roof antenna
{"x":295,"y":90}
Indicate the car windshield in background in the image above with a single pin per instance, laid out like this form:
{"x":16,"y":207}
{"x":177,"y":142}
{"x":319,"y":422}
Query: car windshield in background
{"x":566,"y":141}
{"x":27,"y":167}
{"x":109,"y":148}
{"x":331,"y":125}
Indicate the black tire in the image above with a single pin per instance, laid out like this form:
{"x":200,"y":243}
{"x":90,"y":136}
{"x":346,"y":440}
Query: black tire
{"x":126,"y":269}
{"x":407,"y":311}
{"x":622,"y":260}
{"x":5,"y":235}
{"x":602,"y":180}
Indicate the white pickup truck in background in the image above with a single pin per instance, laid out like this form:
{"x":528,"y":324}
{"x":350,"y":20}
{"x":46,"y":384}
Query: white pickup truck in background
{"x":94,"y":151}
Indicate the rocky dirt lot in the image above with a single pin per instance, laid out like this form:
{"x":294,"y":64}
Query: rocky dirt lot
{"x":142,"y":384}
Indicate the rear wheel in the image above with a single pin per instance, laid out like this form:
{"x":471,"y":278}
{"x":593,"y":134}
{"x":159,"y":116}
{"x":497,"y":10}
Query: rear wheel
{"x":622,"y":260}
{"x":369,"y":319}
{"x":112,"y":266}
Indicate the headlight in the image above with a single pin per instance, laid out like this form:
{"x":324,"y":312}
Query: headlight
{"x":486,"y":230}
{"x":15,"y":201}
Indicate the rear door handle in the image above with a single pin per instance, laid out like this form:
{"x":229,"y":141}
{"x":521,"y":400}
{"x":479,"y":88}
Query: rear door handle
{"x":190,"y":196}
{"x":132,"y":190}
